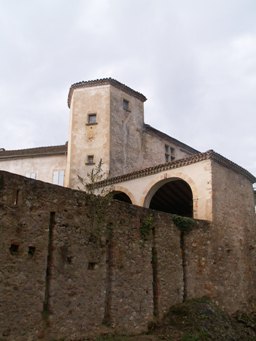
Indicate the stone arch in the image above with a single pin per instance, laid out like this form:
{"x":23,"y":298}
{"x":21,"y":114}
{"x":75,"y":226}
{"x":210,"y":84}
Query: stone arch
{"x":122,"y":194}
{"x":173,"y":195}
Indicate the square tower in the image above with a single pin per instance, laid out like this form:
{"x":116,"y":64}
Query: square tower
{"x":106,"y":123}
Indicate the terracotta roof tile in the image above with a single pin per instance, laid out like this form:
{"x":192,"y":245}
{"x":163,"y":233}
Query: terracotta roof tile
{"x":105,"y":81}
{"x":176,"y":164}
{"x":38,"y":151}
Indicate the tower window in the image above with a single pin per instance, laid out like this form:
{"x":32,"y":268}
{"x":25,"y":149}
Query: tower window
{"x":90,"y":160}
{"x":92,"y":119}
{"x":126,"y":105}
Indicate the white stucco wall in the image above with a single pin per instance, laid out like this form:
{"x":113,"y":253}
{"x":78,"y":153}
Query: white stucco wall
{"x":85,"y":139}
{"x":43,"y":166}
{"x":197,"y":175}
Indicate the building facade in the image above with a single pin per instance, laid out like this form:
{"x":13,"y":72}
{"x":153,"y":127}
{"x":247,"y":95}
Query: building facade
{"x":87,"y":267}
{"x":107,"y":123}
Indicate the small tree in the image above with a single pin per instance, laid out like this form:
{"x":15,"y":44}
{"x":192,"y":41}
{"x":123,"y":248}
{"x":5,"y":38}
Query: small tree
{"x":97,"y":174}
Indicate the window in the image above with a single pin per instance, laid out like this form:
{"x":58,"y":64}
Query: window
{"x":58,"y":177}
{"x":90,"y":160}
{"x":31,"y":175}
{"x":92,"y":119}
{"x":31,"y":250}
{"x":169,"y":153}
{"x":92,"y":266}
{"x":14,"y":248}
{"x":126,"y":105}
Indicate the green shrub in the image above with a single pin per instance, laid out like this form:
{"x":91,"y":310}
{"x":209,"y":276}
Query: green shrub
{"x":146,"y":227}
{"x":183,"y":223}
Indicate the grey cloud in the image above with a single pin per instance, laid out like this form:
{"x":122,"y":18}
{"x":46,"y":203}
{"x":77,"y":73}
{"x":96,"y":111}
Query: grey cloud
{"x":194,"y":60}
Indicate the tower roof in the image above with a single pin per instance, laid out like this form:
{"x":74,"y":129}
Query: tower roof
{"x":105,"y":81}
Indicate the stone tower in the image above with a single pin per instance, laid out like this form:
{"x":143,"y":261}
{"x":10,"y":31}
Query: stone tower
{"x":106,"y":122}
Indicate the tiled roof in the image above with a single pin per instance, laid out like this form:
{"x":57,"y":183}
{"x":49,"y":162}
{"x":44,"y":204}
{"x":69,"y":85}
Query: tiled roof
{"x":30,"y":152}
{"x":209,"y":155}
{"x":105,"y":81}
{"x":159,"y":133}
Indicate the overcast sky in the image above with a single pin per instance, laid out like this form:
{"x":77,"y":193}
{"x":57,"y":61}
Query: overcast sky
{"x":195,"y":61}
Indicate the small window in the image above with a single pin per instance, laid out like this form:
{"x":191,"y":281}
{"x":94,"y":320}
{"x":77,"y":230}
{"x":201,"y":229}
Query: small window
{"x":92,"y":266}
{"x":172,"y":153}
{"x":58,"y":177}
{"x":92,"y":119}
{"x":14,"y":248}
{"x":126,"y":105}
{"x":31,"y":250}
{"x":90,"y":160}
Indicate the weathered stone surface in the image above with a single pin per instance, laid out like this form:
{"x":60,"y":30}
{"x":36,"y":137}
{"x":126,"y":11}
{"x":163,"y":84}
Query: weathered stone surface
{"x":74,"y":265}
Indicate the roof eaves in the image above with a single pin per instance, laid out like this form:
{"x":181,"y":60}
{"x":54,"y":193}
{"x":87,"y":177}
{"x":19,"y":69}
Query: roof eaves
{"x":177,"y":164}
{"x":33,"y":152}
{"x":150,"y":129}
{"x":105,"y":81}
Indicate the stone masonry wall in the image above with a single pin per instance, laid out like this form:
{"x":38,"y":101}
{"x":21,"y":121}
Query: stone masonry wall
{"x":217,"y":266}
{"x":235,"y":220}
{"x":74,"y":265}
{"x":126,"y":125}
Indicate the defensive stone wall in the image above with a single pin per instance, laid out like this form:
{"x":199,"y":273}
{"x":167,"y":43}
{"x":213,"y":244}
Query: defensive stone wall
{"x":74,"y":265}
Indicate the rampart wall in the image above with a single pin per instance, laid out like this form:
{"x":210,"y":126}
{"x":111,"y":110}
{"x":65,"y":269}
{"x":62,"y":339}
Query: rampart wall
{"x":74,"y":265}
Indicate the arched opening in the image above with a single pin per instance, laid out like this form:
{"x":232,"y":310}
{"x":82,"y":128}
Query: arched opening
{"x":121,"y":196}
{"x":174,"y":196}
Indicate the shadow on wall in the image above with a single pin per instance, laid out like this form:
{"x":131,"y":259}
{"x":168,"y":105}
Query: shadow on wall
{"x":173,"y":196}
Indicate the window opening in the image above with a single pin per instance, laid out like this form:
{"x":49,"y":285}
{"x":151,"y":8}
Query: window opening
{"x":17,"y":197}
{"x":169,"y":153}
{"x":90,"y":160}
{"x":92,"y":265}
{"x":92,"y":119}
{"x":14,"y":248}
{"x":126,"y":105}
{"x":58,"y":177}
{"x":31,"y":250}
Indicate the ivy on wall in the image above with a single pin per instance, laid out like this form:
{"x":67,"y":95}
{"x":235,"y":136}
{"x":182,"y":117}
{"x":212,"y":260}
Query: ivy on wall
{"x":185,"y":224}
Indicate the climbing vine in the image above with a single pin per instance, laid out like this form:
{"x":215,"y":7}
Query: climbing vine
{"x":146,"y":227}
